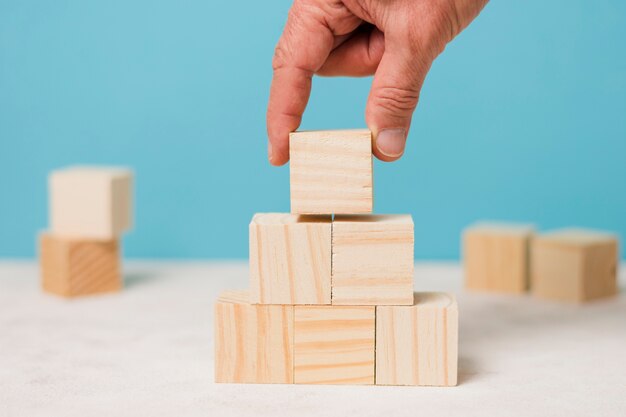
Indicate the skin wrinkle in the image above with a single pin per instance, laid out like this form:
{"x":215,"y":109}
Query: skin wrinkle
{"x":397,"y":100}
{"x":329,"y":37}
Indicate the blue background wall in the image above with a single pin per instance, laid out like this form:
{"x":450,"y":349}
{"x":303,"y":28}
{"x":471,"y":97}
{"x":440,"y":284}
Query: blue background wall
{"x":522,"y":118}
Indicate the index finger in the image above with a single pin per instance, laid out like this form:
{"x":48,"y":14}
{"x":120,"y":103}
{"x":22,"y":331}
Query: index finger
{"x":302,"y":49}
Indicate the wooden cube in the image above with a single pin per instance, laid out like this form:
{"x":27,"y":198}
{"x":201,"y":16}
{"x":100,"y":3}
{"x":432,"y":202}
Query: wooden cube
{"x":418,"y":344}
{"x":334,"y":344}
{"x":253,"y":343}
{"x":496,"y":257}
{"x":72,"y":267}
{"x":372,"y":260}
{"x":90,"y":202}
{"x":331,"y":172}
{"x":574,"y":265}
{"x":290,"y":259}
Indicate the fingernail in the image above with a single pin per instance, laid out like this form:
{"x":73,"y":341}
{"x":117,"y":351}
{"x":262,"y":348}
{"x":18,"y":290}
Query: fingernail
{"x":391,"y":142}
{"x":269,"y":151}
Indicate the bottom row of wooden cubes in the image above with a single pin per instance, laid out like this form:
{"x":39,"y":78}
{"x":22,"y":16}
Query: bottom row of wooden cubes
{"x":383,"y":345}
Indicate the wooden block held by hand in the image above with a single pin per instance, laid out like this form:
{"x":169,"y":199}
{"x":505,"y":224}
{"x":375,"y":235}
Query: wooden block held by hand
{"x":331,"y":172}
{"x":418,"y":344}
{"x":290,"y":259}
{"x":372,"y":260}
{"x":334,"y":344}
{"x":90,"y":202}
{"x":496,"y":256}
{"x":72,"y":267}
{"x":253,"y":343}
{"x":574,"y":265}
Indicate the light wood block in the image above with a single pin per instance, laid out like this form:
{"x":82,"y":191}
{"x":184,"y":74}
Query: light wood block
{"x":72,"y":267}
{"x":331,"y":172}
{"x":574,"y":265}
{"x":372,"y":260}
{"x":334,"y":345}
{"x":90,"y":202}
{"x":418,"y":344}
{"x":290,"y":259}
{"x":253,"y":343}
{"x":496,"y":257}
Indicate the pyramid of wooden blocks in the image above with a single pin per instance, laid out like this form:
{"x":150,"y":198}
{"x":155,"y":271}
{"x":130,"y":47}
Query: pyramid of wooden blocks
{"x":331,"y":296}
{"x":90,"y":208}
{"x":574,"y":265}
{"x":495,"y":257}
{"x":331,"y":172}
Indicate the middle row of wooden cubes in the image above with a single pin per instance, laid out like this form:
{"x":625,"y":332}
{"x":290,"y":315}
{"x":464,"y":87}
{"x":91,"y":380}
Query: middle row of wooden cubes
{"x":348,"y":260}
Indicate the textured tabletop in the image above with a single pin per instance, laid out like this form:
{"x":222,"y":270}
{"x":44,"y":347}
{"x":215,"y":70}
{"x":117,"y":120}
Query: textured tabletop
{"x":149,"y":351}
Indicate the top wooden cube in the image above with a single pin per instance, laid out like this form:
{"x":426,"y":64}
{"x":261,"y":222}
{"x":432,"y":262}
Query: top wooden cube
{"x":331,"y":172}
{"x":90,"y":202}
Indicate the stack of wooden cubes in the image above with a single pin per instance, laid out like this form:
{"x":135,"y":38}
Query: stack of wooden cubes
{"x":331,"y":296}
{"x":90,"y":208}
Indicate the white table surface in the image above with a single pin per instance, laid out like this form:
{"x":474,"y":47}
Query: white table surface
{"x":149,"y":351}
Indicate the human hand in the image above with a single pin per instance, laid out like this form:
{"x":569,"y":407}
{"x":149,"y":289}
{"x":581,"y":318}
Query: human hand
{"x":397,"y":40}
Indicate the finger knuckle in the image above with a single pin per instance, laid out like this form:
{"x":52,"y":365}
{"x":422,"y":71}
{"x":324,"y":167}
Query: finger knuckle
{"x":427,"y":28}
{"x":285,"y":50}
{"x":281,"y":55}
{"x":446,"y":19}
{"x":441,"y":24}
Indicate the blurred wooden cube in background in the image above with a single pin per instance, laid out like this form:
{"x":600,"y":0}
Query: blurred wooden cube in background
{"x":90,"y":201}
{"x":496,"y":257}
{"x":574,"y":265}
{"x":78,"y":266}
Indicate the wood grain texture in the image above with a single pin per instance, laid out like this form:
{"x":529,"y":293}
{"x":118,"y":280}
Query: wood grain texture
{"x":331,"y":172}
{"x":253,"y":343}
{"x":418,"y":344}
{"x":334,"y":345}
{"x":496,"y":257}
{"x":574,"y":265}
{"x":90,"y":202}
{"x":372,"y":260}
{"x":290,"y":259}
{"x":73,"y":267}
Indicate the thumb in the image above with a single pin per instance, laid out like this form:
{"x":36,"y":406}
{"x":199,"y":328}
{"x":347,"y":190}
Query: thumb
{"x":393,"y":98}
